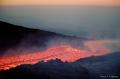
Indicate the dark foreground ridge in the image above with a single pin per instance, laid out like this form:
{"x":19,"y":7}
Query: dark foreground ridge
{"x":87,"y":68}
{"x":54,"y":69}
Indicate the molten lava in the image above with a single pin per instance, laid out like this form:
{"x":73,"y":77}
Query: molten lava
{"x":63,"y":52}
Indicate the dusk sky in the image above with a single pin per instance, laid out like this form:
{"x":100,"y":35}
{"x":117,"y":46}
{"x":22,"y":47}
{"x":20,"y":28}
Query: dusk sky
{"x":71,"y":17}
{"x":61,"y":2}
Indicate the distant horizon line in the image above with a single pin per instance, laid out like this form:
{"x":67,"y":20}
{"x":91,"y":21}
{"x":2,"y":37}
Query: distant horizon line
{"x":60,"y":5}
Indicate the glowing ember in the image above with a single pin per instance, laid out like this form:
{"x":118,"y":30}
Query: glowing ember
{"x":63,"y":52}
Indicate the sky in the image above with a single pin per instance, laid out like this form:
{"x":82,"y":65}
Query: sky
{"x":60,"y":2}
{"x":70,"y":20}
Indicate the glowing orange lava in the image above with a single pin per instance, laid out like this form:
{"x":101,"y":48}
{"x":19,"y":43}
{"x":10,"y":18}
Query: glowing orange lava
{"x":63,"y":52}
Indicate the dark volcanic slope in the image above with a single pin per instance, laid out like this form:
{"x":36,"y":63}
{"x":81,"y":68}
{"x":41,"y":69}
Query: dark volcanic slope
{"x":55,"y":69}
{"x":11,"y":35}
{"x":87,"y":68}
{"x":107,"y":65}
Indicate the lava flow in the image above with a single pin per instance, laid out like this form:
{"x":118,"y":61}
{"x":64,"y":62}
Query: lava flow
{"x":63,"y":52}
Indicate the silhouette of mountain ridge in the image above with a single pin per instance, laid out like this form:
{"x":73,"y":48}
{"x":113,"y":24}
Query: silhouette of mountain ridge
{"x":54,"y":69}
{"x":87,"y":68}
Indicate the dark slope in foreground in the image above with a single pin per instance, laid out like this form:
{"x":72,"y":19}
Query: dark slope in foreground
{"x":107,"y":66}
{"x":55,"y":69}
{"x":87,"y":68}
{"x":12,"y":36}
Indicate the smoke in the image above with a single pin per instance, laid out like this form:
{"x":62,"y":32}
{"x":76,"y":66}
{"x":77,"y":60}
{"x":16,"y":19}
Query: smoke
{"x":64,"y":48}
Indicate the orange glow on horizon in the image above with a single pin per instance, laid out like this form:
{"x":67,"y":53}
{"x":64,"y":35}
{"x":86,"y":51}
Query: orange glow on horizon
{"x":62,"y":2}
{"x":62,"y":52}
